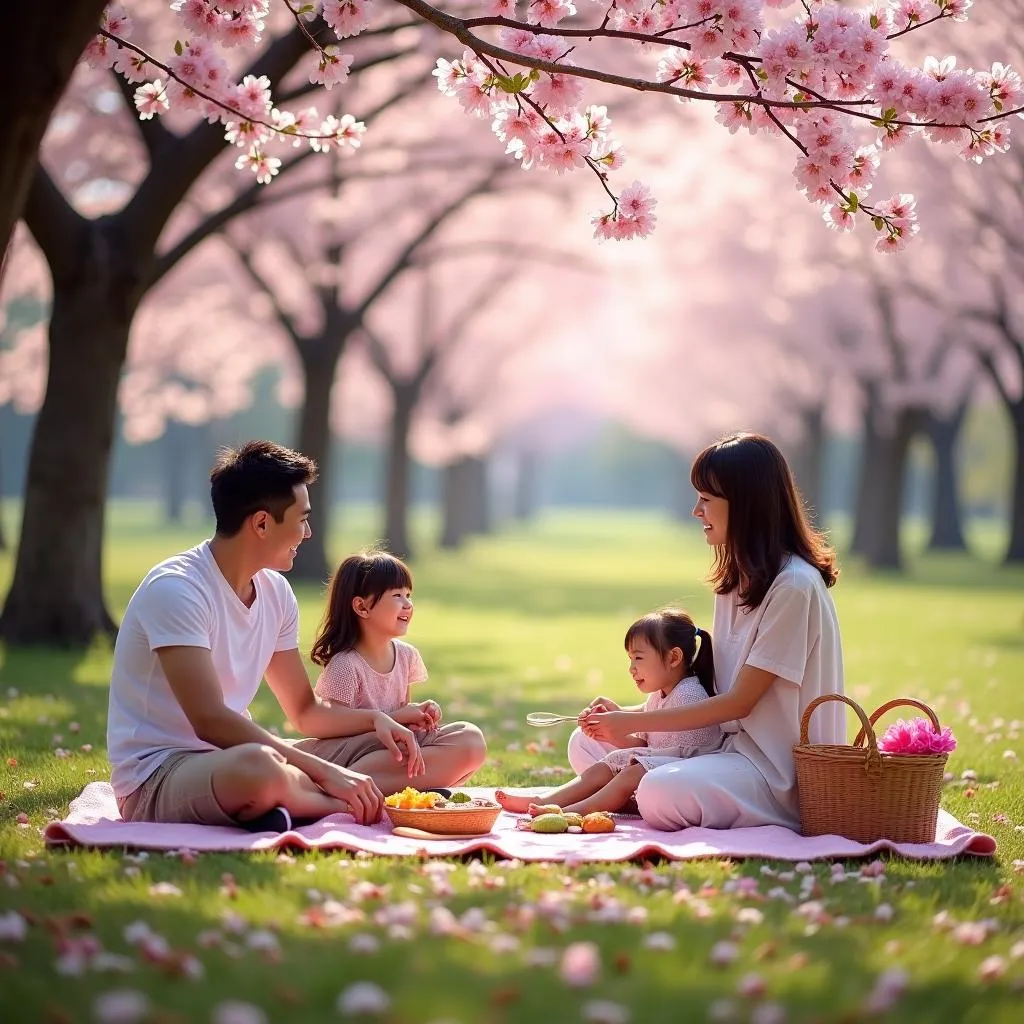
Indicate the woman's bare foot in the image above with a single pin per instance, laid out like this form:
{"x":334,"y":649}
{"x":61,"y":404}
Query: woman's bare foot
{"x":515,"y":803}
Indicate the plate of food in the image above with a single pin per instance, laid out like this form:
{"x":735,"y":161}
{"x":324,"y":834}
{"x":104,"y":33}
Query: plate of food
{"x":435,"y":814}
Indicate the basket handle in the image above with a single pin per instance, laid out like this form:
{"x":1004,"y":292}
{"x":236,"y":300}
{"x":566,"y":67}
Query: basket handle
{"x":805,"y":721}
{"x":899,"y":702}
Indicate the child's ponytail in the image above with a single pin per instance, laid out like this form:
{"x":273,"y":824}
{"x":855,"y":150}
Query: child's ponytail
{"x":673,"y":627}
{"x":702,"y":665}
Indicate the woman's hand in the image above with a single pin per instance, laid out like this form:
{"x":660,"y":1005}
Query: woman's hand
{"x":358,"y":792}
{"x":614,"y":727}
{"x":398,"y":738}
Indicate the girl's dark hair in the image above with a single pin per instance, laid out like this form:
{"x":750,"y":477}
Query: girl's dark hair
{"x":672,"y":627}
{"x":369,"y":575}
{"x":767,"y":520}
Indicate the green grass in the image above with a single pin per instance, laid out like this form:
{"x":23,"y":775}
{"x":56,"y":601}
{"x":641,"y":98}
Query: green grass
{"x":533,"y":619}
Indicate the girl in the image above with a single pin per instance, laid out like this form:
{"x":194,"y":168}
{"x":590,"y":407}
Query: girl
{"x":777,"y":647}
{"x":366,"y":665}
{"x":670,"y":660}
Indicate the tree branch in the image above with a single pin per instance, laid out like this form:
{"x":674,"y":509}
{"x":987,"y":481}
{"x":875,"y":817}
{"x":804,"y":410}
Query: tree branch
{"x":408,"y":251}
{"x":58,"y":228}
{"x":282,"y":315}
{"x":257,"y":195}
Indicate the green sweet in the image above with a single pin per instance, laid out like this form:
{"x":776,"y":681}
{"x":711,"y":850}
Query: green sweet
{"x":459,"y":798}
{"x":549,"y":823}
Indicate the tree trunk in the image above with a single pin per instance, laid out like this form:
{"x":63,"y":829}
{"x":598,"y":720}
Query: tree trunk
{"x":524,"y":499}
{"x":56,"y":596}
{"x":3,"y":534}
{"x":478,"y":498}
{"x":396,"y":495}
{"x":947,"y":523}
{"x":867,"y":481}
{"x":319,"y":365}
{"x":453,"y":499}
{"x":882,"y":537}
{"x":1015,"y":548}
{"x":811,"y":463}
{"x":44,"y":48}
{"x":176,"y":469}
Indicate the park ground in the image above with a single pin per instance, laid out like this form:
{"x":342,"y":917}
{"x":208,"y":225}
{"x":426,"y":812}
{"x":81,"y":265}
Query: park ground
{"x":530,"y":619}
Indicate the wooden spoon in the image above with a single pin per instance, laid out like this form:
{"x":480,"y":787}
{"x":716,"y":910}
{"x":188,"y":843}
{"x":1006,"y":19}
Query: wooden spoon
{"x":407,"y":832}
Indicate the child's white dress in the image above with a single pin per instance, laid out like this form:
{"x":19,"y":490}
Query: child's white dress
{"x":664,"y":747}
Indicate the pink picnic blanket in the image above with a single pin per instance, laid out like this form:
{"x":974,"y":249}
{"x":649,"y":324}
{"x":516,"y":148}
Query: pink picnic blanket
{"x":93,"y":820}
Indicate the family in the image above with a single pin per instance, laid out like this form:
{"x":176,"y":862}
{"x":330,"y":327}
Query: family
{"x":711,"y":744}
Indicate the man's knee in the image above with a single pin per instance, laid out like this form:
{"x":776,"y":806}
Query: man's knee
{"x":251,"y":770}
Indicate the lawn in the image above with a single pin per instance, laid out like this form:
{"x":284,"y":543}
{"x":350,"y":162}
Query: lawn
{"x":531,"y":619}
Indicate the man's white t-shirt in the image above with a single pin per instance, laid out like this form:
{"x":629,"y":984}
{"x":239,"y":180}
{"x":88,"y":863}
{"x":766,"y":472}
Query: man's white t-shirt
{"x":186,"y":601}
{"x":794,"y":634}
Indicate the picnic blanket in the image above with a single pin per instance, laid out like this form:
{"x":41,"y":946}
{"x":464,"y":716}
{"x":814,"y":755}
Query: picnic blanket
{"x":93,"y":821}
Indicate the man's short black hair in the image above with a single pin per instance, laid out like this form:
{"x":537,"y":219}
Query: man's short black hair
{"x":259,"y":476}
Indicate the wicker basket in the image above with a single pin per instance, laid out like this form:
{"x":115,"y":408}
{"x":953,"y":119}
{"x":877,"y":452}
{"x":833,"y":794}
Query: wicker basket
{"x":862,"y":793}
{"x":446,"y":821}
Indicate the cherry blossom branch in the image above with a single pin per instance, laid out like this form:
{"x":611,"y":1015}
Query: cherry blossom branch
{"x":293,"y":133}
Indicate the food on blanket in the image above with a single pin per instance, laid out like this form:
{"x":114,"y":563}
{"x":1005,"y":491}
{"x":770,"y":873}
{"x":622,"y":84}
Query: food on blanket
{"x":573,"y":818}
{"x":575,"y":828}
{"x":598,"y":821}
{"x":412,"y":799}
{"x":537,"y":809}
{"x":550,"y":823}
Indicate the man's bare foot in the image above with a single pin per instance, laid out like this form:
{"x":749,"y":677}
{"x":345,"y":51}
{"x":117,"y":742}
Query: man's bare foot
{"x":515,"y":803}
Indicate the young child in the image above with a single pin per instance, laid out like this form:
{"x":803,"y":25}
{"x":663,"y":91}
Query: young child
{"x":365,"y":664}
{"x":670,"y":660}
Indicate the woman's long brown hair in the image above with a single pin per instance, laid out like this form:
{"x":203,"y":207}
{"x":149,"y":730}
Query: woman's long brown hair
{"x":369,"y":575}
{"x":767,"y":520}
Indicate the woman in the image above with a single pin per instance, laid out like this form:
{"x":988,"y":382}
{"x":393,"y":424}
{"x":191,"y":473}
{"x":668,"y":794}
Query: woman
{"x":777,"y":648}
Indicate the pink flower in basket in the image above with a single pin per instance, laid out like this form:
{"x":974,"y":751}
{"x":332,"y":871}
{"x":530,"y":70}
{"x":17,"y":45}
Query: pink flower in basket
{"x":918,"y":736}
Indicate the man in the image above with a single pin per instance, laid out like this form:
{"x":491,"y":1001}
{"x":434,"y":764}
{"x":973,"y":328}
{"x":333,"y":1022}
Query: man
{"x":200,"y":633}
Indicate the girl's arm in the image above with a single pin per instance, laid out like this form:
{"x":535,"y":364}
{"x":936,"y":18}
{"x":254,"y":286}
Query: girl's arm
{"x":750,"y":686}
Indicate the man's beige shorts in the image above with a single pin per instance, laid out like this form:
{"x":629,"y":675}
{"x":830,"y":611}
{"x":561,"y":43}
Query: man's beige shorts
{"x":181,"y":789}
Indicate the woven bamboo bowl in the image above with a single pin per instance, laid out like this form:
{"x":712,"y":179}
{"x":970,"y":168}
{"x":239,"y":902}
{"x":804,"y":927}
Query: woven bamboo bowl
{"x":445,"y":821}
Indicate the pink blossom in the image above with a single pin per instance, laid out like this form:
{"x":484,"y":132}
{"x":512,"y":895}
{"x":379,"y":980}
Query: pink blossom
{"x":151,"y":99}
{"x":581,"y":964}
{"x":262,"y":165}
{"x":331,"y":69}
{"x":347,"y":17}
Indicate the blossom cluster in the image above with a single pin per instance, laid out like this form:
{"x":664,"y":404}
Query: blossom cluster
{"x":918,"y":736}
{"x":197,"y":77}
{"x":826,"y":81}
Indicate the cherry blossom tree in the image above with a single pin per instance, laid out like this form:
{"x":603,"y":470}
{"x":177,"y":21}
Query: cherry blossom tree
{"x":339,"y":291}
{"x":103,"y":263}
{"x":829,"y":82}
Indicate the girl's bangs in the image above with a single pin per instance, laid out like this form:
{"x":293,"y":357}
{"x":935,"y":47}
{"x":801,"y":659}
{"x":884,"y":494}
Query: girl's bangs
{"x":385,"y":572}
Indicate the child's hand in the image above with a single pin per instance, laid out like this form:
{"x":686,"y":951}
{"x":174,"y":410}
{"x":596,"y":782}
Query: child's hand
{"x":433,"y":711}
{"x":600,"y":704}
{"x":414,"y":715}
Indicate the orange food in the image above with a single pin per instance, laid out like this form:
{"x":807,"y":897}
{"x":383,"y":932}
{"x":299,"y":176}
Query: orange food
{"x":598,"y":821}
{"x":410,"y":799}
